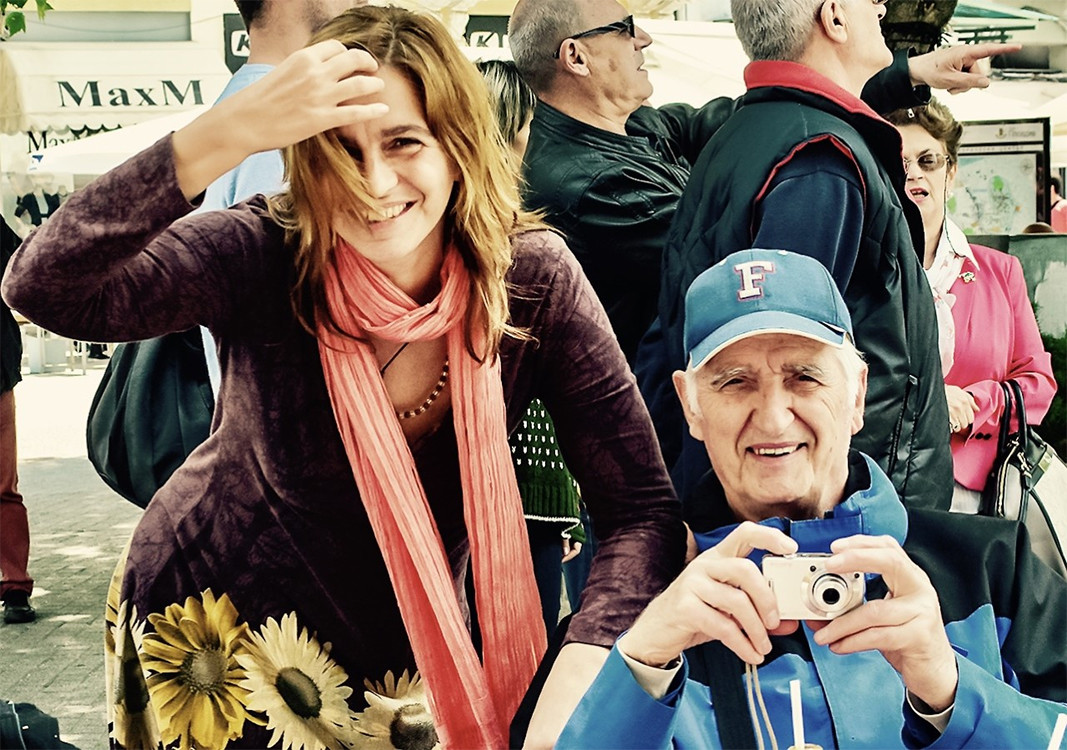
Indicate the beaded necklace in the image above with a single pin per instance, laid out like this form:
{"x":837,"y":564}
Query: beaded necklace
{"x":421,"y":408}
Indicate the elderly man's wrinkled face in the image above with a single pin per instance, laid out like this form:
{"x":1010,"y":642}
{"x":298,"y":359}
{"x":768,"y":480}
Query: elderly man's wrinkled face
{"x":616,"y":59}
{"x":777,"y":413}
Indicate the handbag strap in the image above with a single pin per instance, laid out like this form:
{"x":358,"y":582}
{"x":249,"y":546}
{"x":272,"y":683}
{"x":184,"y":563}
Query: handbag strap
{"x":1026,"y":475}
{"x":1020,"y":411}
{"x":1005,"y":420}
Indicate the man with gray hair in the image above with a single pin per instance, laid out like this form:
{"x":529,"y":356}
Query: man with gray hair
{"x":608,"y":171}
{"x":805,"y":165}
{"x":900,"y":627}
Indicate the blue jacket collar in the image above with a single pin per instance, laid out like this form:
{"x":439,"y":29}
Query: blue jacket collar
{"x":871,"y":506}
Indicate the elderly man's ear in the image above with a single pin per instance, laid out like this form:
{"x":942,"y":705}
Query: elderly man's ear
{"x":832,"y":21}
{"x":861,"y":397}
{"x":681,"y":386}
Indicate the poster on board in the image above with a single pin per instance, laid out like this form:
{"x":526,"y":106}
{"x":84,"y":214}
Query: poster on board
{"x":1001,"y":180}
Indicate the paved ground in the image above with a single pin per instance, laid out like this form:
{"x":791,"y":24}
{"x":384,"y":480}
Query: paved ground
{"x":78,"y":527}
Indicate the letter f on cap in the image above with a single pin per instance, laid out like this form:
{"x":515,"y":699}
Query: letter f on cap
{"x":751,"y":272}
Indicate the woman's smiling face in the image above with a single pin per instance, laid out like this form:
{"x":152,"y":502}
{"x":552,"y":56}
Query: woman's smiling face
{"x":409,"y":176}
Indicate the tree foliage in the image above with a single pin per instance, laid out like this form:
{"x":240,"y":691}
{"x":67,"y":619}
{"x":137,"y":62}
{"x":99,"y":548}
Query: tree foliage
{"x":15,"y":19}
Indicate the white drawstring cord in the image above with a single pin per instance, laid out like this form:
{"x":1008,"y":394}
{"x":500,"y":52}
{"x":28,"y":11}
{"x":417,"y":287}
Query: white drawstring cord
{"x":755,"y":694}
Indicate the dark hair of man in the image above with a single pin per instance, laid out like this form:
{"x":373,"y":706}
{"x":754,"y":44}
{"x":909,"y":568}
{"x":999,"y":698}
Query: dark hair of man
{"x":936,"y":120}
{"x":1055,"y":182}
{"x":250,"y":10}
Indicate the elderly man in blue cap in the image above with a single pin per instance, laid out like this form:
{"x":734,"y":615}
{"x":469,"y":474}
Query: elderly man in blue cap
{"x":900,"y":627}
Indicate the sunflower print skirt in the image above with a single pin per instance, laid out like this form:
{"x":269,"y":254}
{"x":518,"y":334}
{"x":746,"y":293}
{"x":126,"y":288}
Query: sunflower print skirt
{"x":196,"y":676}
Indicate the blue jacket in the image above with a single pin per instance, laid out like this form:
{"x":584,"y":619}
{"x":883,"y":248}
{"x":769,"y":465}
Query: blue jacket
{"x":1003,"y":612}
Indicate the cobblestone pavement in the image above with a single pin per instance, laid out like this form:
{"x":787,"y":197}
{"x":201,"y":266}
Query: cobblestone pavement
{"x":78,"y":527}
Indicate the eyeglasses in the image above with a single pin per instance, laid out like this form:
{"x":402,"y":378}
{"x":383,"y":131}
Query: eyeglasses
{"x":929,"y":162}
{"x":626,"y":24}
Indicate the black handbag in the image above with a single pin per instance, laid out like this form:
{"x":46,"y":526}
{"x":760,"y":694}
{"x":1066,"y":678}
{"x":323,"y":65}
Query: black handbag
{"x":23,"y":726}
{"x":1028,"y":483}
{"x":151,"y":409}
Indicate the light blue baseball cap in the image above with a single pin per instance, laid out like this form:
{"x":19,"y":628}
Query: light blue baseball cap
{"x":753,"y":292}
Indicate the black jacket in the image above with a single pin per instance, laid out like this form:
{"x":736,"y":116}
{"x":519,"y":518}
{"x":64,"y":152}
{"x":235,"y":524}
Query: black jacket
{"x":787,"y":108}
{"x":613,"y":197}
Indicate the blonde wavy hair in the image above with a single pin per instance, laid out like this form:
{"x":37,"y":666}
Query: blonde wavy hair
{"x":484,"y":212}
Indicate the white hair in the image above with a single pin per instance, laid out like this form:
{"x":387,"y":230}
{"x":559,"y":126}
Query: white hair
{"x":774,"y":29}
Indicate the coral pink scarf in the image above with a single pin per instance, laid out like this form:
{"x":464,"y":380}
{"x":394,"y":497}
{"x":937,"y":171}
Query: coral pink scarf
{"x":471,"y":705}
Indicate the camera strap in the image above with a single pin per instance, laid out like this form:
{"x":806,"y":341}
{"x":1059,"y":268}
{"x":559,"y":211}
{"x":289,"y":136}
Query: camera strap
{"x":723,"y":672}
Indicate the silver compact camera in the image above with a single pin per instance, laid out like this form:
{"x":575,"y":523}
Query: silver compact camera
{"x":805,"y":591}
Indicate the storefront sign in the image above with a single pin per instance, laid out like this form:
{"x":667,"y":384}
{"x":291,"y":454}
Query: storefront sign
{"x":235,"y":40}
{"x":41,"y":139}
{"x":101,"y":95}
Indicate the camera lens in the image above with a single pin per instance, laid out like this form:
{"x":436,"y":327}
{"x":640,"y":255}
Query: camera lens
{"x":829,"y":592}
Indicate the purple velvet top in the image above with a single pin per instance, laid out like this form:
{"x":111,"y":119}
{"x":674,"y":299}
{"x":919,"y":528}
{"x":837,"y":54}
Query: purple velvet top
{"x":267,"y":510}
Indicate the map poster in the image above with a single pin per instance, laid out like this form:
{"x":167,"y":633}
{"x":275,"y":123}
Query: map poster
{"x":1000,"y":183}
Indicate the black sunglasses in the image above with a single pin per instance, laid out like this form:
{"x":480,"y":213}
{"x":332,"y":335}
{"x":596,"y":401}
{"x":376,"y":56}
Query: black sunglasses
{"x":626,"y":24}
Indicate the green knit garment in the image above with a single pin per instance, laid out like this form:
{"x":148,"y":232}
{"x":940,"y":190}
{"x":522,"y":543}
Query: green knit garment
{"x":549,"y":492}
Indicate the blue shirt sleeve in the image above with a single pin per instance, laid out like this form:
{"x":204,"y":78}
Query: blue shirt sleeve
{"x":617,"y":713}
{"x":814,"y":205}
{"x":988,"y":712}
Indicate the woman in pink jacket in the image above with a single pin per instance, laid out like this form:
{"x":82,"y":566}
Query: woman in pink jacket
{"x":987,"y":330}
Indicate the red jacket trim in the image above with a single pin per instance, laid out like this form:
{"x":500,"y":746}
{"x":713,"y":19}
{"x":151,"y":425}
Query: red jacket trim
{"x":763,"y":73}
{"x":796,"y":150}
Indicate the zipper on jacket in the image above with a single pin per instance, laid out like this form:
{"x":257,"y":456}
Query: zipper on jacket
{"x":912,"y":382}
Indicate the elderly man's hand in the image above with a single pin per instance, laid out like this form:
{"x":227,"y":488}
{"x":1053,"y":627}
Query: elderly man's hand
{"x":905,"y":626}
{"x":958,"y":68}
{"x":720,"y":596}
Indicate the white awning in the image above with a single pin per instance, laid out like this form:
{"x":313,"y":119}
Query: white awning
{"x":102,"y":152}
{"x":56,"y":87}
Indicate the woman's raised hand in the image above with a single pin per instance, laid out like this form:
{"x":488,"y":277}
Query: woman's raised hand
{"x":318,"y":88}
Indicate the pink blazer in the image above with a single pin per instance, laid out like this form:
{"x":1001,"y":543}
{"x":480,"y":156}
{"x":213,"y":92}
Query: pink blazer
{"x":996,"y":340}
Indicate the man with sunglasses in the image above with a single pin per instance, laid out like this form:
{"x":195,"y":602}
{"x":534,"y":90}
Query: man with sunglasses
{"x":608,"y":170}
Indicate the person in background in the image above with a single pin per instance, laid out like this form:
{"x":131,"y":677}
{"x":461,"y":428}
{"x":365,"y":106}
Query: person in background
{"x":35,"y":207}
{"x":1038,"y":227}
{"x":383,"y":324}
{"x":16,"y":584}
{"x":910,"y":628}
{"x":986,"y":330}
{"x":514,"y":102}
{"x":1058,"y":215}
{"x":550,"y":498}
{"x":276,"y":29}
